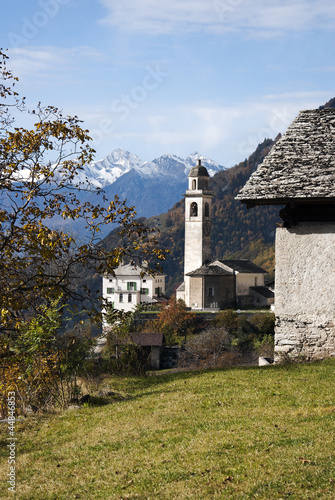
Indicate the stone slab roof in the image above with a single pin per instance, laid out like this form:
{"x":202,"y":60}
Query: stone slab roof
{"x":241,"y":266}
{"x":263,"y":291}
{"x":143,"y":339}
{"x":300,"y":166}
{"x":148,"y":339}
{"x":211,"y":270}
{"x":130,"y":270}
{"x":181,"y":287}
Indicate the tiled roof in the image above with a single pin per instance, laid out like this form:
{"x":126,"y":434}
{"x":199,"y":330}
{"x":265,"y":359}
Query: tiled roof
{"x":129,"y":270}
{"x":181,"y":287}
{"x":263,"y":290}
{"x":142,"y":339}
{"x":148,"y":339}
{"x":210,"y":270}
{"x":241,"y":266}
{"x":300,"y":166}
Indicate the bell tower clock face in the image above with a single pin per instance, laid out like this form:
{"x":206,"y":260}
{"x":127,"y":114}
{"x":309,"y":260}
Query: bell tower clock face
{"x":207,"y":228}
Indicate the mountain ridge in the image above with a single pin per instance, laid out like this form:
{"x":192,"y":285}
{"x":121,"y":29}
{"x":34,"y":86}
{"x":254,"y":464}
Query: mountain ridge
{"x":237,"y":232}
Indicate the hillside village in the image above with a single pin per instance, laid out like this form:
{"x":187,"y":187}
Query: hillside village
{"x":213,"y":285}
{"x":111,"y":418}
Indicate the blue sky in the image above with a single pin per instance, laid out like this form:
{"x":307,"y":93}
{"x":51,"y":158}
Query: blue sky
{"x":153,"y":77}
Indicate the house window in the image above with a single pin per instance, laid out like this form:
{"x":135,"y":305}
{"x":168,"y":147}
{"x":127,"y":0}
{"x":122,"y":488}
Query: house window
{"x":158,"y":291}
{"x":110,"y":291}
{"x":194,"y":209}
{"x":145,"y":291}
{"x":211,"y":291}
{"x":255,"y":281}
{"x":129,"y":297}
{"x":194,"y":184}
{"x":206,"y":209}
{"x":121,"y":297}
{"x":131,"y":285}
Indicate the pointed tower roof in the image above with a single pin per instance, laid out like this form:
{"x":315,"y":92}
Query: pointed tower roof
{"x":198,"y":170}
{"x":300,"y":166}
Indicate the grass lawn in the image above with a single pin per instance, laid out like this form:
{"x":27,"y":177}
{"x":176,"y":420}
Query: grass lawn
{"x":237,"y":433}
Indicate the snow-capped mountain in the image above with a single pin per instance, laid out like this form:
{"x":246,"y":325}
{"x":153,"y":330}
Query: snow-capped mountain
{"x":104,"y":172}
{"x":152,"y":187}
{"x":171,"y":168}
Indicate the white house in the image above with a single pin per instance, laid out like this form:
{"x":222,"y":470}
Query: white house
{"x":127,"y":288}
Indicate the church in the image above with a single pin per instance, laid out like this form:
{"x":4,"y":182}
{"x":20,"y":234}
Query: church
{"x":218,"y":284}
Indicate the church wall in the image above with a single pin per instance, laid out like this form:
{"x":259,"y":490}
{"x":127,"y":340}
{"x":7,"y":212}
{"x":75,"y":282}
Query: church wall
{"x":305,"y":290}
{"x":245,"y":281}
{"x":227,"y":292}
{"x":195,"y":293}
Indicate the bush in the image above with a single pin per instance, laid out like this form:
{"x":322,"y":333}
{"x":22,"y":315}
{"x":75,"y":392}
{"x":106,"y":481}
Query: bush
{"x":174,"y":321}
{"x":131,"y":359}
{"x":210,"y":349}
{"x":228,"y":319}
{"x":40,"y":364}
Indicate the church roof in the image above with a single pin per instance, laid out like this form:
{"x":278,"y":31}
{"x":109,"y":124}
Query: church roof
{"x":242,"y":266}
{"x":210,"y":270}
{"x":300,"y":166}
{"x":263,"y":290}
{"x":198,"y":170}
{"x":181,"y":287}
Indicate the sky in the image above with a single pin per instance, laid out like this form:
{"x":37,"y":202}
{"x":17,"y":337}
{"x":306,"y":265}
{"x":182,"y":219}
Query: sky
{"x":175,"y":77}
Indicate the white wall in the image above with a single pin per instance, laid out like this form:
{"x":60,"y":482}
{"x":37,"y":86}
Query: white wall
{"x":120,"y":286}
{"x":245,"y":280}
{"x":305,"y":290}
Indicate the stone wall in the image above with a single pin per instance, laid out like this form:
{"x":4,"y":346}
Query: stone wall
{"x":305,"y":291}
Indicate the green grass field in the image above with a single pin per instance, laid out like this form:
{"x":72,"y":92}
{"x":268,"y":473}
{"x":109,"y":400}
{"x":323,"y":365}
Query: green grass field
{"x":237,"y":433}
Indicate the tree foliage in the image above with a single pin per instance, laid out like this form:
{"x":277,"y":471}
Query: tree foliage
{"x":39,"y":168}
{"x":173,"y":321}
{"x":41,"y":366}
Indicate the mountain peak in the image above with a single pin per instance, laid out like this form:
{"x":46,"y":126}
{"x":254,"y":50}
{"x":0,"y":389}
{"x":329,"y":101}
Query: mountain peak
{"x":172,"y":168}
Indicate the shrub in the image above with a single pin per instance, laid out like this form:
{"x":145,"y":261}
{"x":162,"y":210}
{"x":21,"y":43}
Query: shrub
{"x":210,"y":349}
{"x":227,"y":319}
{"x":173,"y":321}
{"x":40,"y":364}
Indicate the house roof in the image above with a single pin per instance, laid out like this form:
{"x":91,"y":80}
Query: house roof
{"x":300,"y":166}
{"x":263,"y":290}
{"x":242,"y":266}
{"x":130,"y":270}
{"x":148,"y":339}
{"x":142,"y":339}
{"x":211,"y":270}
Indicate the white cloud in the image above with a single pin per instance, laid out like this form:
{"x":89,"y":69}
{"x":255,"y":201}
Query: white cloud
{"x":261,"y":17}
{"x":228,"y":134}
{"x":32,"y":60}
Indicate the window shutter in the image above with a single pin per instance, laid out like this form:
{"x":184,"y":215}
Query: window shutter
{"x":128,"y":285}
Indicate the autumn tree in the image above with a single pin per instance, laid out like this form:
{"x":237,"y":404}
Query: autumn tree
{"x":174,"y":321}
{"x":39,"y":165}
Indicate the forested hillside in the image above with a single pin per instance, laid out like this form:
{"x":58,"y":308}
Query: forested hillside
{"x":237,"y":231}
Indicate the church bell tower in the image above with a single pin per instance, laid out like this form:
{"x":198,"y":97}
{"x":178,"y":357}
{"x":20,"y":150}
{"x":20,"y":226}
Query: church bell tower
{"x":198,"y":226}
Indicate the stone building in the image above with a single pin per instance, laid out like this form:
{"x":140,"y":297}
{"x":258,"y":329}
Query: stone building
{"x":210,"y":284}
{"x":127,"y":288}
{"x":299,"y":173}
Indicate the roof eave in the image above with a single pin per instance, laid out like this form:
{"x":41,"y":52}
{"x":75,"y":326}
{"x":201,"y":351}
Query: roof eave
{"x":253,"y":202}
